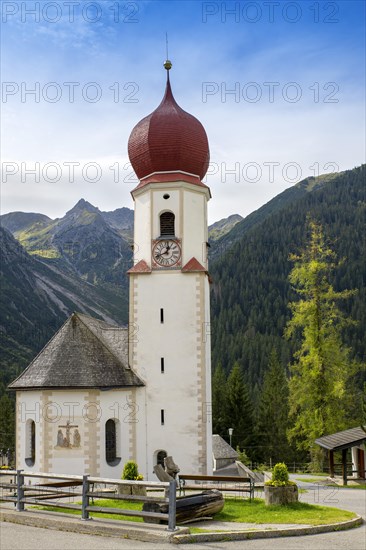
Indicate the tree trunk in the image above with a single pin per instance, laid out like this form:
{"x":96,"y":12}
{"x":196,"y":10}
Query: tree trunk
{"x":190,"y":507}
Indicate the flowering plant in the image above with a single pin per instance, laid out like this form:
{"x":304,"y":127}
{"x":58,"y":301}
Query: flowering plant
{"x":131,"y":472}
{"x":280,"y":477}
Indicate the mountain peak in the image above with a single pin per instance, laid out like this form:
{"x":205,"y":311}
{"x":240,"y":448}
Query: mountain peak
{"x":222,"y":227}
{"x":82,"y":204}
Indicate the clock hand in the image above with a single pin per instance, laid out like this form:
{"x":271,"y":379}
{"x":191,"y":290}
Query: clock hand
{"x":159,"y":254}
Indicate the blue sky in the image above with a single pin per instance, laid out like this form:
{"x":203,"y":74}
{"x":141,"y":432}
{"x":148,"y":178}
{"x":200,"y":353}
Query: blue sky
{"x":279,"y":87}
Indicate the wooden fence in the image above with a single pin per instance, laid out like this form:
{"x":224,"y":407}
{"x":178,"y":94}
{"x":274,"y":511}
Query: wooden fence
{"x":51,"y":489}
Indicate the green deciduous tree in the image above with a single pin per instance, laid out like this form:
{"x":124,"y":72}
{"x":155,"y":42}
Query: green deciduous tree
{"x":321,"y":365}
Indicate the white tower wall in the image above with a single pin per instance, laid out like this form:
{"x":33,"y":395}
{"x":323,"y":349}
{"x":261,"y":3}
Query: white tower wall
{"x":182,"y":340}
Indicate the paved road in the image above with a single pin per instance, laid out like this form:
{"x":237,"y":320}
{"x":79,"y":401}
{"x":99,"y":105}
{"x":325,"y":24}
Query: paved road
{"x":20,"y":537}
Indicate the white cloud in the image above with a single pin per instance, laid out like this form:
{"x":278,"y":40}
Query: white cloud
{"x":305,"y":133}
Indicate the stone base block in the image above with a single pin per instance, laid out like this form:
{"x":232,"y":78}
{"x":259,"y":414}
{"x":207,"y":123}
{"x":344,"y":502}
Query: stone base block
{"x":281,"y":495}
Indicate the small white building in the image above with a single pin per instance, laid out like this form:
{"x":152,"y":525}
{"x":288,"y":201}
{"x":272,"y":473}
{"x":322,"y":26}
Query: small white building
{"x":98,"y":395}
{"x":223,"y":454}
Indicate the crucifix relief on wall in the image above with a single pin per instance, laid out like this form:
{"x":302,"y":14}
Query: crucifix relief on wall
{"x":64,"y":440}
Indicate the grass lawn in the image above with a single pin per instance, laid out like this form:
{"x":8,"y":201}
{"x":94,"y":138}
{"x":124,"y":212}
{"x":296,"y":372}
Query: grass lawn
{"x":237,"y":511}
{"x":300,"y":512}
{"x":105,"y":503}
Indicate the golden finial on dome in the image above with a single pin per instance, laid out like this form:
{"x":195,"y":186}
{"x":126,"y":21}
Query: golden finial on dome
{"x":168,"y":64}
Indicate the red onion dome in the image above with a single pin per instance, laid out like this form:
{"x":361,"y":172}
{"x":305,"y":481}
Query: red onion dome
{"x":169,"y":139}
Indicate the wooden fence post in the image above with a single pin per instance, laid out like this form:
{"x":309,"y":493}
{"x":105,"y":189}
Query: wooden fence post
{"x":20,"y":491}
{"x":172,"y":505}
{"x":344,"y":466}
{"x":85,"y":498}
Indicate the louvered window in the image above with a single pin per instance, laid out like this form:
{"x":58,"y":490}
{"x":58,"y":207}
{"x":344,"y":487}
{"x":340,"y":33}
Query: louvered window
{"x":167,"y":220}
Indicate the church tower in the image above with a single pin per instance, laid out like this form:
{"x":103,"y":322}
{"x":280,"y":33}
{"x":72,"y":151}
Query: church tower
{"x":169,"y":318}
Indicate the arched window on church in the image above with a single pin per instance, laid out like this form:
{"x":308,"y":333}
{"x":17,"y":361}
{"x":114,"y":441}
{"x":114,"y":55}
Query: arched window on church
{"x":160,"y":455}
{"x":30,"y":442}
{"x":111,"y":442}
{"x":167,"y":222}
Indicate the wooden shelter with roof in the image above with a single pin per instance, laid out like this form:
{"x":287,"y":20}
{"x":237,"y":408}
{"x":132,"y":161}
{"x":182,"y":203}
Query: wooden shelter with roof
{"x":353,"y":439}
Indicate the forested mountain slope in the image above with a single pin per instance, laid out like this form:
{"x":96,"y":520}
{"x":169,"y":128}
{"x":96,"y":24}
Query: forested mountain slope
{"x":35,"y":299}
{"x":289,"y":196}
{"x":78,"y":262}
{"x":251,"y":292}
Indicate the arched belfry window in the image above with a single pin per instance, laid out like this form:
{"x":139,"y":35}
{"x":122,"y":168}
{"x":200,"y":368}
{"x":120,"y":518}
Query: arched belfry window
{"x":111,"y":442}
{"x":167,"y":228}
{"x":30,"y":443}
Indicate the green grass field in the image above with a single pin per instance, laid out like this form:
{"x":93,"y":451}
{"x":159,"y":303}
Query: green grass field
{"x":237,"y":511}
{"x":299,"y":512}
{"x":105,"y":503}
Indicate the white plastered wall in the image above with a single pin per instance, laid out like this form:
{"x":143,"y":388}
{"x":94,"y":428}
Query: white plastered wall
{"x":183,"y":391}
{"x":188,"y":202}
{"x":355,"y":459}
{"x":87,"y":411}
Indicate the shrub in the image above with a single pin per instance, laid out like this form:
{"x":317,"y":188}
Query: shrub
{"x":280,"y":476}
{"x":131,"y":472}
{"x":280,"y":472}
{"x":243,"y":457}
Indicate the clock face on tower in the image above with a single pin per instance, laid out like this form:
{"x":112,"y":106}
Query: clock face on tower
{"x":166,"y":253}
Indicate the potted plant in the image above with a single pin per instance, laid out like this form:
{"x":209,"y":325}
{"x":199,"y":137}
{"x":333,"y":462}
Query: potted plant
{"x":280,"y":490}
{"x":130,"y":472}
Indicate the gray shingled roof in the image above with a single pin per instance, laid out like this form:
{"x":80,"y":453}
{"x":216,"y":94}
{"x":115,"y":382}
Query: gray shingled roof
{"x":221,"y":449}
{"x":84,"y":353}
{"x":342,"y":440}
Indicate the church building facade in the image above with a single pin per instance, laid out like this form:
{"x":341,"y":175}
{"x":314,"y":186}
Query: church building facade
{"x":98,"y":395}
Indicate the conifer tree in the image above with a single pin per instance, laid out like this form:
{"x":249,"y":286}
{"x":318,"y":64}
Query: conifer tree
{"x":363,"y":408}
{"x":321,"y":366}
{"x":273,"y":413}
{"x":218,"y":401}
{"x":7,"y":423}
{"x":239,"y":411}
